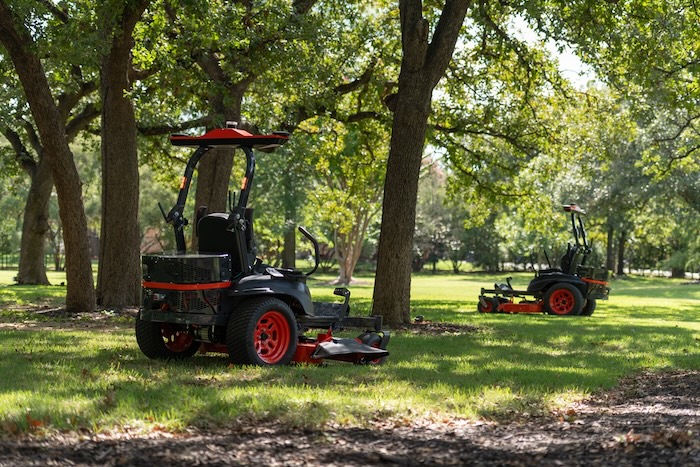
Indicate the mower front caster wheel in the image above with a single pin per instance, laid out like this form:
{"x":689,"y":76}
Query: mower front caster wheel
{"x":165,"y":341}
{"x":563,"y":299}
{"x":589,"y":307}
{"x":262,"y":332}
{"x":487,"y":305}
{"x":373,"y":340}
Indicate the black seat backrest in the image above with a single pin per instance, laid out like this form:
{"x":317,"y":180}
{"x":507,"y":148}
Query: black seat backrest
{"x":214,"y":236}
{"x":572,"y":259}
{"x":568,"y":259}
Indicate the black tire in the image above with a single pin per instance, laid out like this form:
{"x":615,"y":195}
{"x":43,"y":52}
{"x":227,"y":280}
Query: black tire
{"x":563,"y":299}
{"x":263,"y":331}
{"x":491,"y":305}
{"x":373,"y":340}
{"x":589,"y":307}
{"x":165,"y":341}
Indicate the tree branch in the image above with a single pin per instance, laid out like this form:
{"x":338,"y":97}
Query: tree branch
{"x":58,"y":13}
{"x":81,"y":121}
{"x":205,"y":121}
{"x":347,"y":88}
{"x":441,"y":48}
{"x":32,"y":136}
{"x":25,"y":160}
{"x":303,"y":6}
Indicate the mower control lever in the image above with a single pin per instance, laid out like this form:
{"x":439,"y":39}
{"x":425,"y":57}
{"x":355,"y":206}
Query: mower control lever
{"x":173,"y":217}
{"x":312,"y":239}
{"x":162,"y":211}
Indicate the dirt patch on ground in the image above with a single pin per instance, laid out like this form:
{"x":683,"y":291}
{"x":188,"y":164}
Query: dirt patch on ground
{"x":59,"y":318}
{"x":436,"y":329}
{"x":650,"y":419}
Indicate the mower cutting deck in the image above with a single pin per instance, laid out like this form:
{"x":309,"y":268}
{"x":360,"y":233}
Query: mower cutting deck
{"x":224,"y":299}
{"x":571,"y":289}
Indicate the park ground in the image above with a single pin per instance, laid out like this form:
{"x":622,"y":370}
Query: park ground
{"x":460,"y":388}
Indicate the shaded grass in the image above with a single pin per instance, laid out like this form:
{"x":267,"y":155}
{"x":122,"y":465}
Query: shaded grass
{"x":513,"y":366}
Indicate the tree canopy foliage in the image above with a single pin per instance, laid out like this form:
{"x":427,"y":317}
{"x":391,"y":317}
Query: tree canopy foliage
{"x":469,"y":94}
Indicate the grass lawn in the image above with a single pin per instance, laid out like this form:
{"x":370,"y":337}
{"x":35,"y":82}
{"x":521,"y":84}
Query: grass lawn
{"x":512,"y":366}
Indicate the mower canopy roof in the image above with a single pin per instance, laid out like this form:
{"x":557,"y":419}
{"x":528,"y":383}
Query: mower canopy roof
{"x":574,"y":208}
{"x":232,"y":138}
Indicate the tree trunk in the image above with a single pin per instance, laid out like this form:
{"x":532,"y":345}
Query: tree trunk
{"x":348,"y":247}
{"x":80,"y":292}
{"x":119,"y":273}
{"x":393,"y":280}
{"x":35,"y":225}
{"x":610,"y":250}
{"x":55,"y":240}
{"x":422,"y":66}
{"x":213,"y":176}
{"x":678,"y":273}
{"x":622,"y":240}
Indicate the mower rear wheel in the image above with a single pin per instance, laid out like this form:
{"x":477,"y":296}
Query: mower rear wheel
{"x":589,"y":307}
{"x":165,"y":341}
{"x":563,"y":299}
{"x":262,"y":332}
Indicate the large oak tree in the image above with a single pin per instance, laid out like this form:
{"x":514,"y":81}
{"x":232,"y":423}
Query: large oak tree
{"x":425,"y":59}
{"x":118,"y":279}
{"x":21,"y":49}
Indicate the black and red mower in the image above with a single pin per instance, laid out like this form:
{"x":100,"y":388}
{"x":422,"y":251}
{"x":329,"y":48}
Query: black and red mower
{"x":571,"y":289}
{"x":222,"y":298}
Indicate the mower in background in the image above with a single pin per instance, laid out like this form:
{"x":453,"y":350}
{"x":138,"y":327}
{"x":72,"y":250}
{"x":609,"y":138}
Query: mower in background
{"x":570,"y":289}
{"x":222,"y":298}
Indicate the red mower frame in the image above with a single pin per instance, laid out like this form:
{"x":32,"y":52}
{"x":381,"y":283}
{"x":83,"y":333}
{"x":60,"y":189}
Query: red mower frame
{"x":572,"y":289}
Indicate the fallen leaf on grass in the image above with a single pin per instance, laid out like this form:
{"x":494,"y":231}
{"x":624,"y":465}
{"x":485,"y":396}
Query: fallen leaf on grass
{"x":672,"y":438}
{"x":10,"y":427}
{"x":33,"y":423}
{"x":110,"y":397}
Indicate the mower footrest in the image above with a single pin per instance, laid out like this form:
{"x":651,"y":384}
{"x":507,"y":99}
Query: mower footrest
{"x":347,"y":350}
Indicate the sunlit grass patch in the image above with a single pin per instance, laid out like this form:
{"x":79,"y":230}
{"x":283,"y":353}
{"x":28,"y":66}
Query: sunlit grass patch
{"x":508,"y":366}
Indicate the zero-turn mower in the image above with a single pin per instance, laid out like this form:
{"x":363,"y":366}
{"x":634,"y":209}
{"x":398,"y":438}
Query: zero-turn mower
{"x":570,"y":289}
{"x":222,"y":298}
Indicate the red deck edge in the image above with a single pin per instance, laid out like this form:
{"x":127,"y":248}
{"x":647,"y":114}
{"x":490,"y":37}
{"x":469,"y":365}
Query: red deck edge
{"x":520,"y":307}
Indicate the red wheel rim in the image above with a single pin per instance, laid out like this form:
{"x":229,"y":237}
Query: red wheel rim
{"x":488,"y":308}
{"x":561,"y":302}
{"x":176,"y":340}
{"x":272,"y":337}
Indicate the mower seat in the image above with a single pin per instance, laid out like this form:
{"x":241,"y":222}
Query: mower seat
{"x":214,"y":236}
{"x":569,"y":262}
{"x":503,"y":287}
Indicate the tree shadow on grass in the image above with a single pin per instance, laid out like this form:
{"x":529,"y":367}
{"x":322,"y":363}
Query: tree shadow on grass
{"x":508,"y":364}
